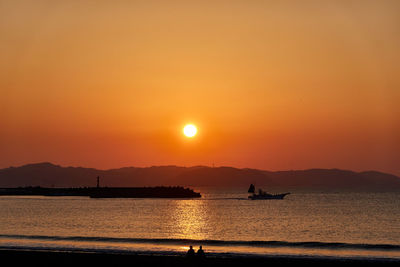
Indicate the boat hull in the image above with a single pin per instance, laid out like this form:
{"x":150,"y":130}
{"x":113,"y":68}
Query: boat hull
{"x":268,"y":196}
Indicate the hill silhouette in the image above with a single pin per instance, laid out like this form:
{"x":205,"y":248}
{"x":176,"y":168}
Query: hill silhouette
{"x":50,"y":175}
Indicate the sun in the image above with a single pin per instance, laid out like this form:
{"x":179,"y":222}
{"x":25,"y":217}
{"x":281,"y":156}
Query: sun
{"x":189,"y":130}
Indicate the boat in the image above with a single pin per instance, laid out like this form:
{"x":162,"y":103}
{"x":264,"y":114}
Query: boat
{"x":144,"y":192}
{"x":263,"y":195}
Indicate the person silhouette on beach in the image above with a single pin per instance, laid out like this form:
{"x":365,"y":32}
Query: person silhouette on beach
{"x":200,"y":252}
{"x":190,"y":253}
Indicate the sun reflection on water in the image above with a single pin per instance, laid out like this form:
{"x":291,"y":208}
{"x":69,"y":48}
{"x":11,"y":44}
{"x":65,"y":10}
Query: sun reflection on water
{"x":190,"y":217}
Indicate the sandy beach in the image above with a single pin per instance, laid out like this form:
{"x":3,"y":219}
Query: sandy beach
{"x":22,"y":257}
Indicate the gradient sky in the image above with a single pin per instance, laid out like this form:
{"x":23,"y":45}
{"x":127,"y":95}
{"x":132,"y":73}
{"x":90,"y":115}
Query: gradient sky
{"x":273,"y":85}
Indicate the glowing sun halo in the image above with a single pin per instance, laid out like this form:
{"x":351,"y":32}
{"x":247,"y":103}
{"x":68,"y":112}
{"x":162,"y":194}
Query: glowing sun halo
{"x":189,"y":130}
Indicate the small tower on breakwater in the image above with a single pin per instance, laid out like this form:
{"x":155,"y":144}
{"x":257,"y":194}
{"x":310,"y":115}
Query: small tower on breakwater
{"x":98,"y":181}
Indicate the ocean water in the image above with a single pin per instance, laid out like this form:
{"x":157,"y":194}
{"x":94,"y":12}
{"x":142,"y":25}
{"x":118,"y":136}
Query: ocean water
{"x":224,"y":221}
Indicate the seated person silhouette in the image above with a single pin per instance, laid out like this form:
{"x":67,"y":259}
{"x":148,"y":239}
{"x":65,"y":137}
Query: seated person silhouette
{"x":200,"y":252}
{"x":190,"y":253}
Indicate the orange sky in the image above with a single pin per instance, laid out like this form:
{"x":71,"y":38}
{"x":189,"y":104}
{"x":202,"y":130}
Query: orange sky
{"x":270,"y":84}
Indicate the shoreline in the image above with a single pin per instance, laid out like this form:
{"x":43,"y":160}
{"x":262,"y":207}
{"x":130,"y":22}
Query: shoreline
{"x":46,"y":257}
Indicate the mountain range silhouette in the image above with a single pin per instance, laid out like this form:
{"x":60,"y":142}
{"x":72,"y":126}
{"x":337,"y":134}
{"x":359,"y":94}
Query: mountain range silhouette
{"x":50,"y":175}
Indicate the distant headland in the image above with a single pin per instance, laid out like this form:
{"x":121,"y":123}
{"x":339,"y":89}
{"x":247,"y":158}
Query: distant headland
{"x":55,"y":176}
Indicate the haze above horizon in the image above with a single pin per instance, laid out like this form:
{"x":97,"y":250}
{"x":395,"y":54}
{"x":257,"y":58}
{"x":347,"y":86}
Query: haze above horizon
{"x":271,"y":85}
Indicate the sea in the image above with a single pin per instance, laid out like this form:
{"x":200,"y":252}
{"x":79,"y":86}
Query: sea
{"x":307,"y":223}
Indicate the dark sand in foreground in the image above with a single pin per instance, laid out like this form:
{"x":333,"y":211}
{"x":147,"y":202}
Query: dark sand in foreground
{"x":21,"y":257}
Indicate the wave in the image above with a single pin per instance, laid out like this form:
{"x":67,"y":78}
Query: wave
{"x":182,"y":241}
{"x":225,"y":198}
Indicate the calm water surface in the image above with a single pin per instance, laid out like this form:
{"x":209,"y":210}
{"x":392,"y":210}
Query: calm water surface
{"x":226,"y":216}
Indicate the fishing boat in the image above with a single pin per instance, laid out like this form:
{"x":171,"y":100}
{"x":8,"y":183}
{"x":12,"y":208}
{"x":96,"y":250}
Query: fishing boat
{"x":263,"y":195}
